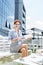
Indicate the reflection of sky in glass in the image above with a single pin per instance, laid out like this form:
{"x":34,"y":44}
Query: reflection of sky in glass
{"x":6,"y":9}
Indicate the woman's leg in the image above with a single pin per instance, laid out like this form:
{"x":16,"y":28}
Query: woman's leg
{"x":24,"y":50}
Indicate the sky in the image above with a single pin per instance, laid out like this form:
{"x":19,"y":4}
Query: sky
{"x":34,"y":13}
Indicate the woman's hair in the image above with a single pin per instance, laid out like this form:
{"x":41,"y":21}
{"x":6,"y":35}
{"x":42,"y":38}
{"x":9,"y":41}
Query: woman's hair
{"x":15,"y":21}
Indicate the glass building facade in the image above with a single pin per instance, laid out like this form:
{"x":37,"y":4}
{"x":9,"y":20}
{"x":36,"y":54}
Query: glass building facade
{"x":20,"y":13}
{"x":6,"y":12}
{"x":9,"y":11}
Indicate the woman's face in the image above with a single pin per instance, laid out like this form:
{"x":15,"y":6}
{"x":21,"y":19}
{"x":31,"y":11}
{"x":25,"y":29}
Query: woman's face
{"x":17,"y":25}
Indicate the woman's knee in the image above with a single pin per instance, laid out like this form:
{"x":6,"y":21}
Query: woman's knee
{"x":25,"y":46}
{"x":23,"y":50}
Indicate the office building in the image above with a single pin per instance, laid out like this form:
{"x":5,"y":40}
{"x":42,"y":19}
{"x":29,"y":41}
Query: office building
{"x":9,"y":11}
{"x":20,"y":13}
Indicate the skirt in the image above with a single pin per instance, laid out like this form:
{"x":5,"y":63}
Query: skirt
{"x":15,"y":47}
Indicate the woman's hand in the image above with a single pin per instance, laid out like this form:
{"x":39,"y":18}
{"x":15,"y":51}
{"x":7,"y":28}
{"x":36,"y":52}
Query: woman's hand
{"x":16,"y":39}
{"x":19,"y":38}
{"x":28,"y":38}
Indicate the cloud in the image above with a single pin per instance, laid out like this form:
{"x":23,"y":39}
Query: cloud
{"x":38,"y":24}
{"x":28,"y":18}
{"x":29,"y":22}
{"x":34,"y":23}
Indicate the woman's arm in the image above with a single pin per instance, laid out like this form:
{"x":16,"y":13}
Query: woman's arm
{"x":16,"y":39}
{"x":10,"y":37}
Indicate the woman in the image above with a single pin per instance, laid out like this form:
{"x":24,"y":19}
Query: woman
{"x":16,"y":37}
